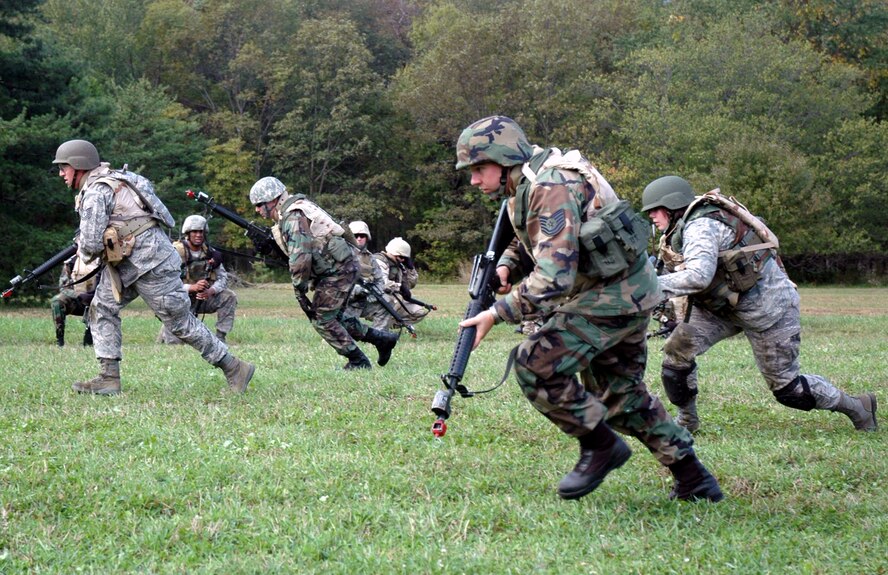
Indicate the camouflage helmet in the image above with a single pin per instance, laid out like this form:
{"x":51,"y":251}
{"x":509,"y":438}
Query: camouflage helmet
{"x":79,"y":154}
{"x":265,"y":190}
{"x":195,"y":223}
{"x":495,"y":139}
{"x":359,"y":227}
{"x":670,"y":192}
{"x":398,"y":247}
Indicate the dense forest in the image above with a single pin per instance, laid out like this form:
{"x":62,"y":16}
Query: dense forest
{"x":358,"y":104}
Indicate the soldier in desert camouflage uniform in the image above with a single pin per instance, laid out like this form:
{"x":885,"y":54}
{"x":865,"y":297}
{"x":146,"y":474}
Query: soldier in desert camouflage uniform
{"x":320,"y":257}
{"x":399,"y":277}
{"x":593,"y":327}
{"x":119,"y":217}
{"x":767,"y":313}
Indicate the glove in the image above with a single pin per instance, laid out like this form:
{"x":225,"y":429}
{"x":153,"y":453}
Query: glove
{"x":408,"y":263}
{"x":303,"y":286}
{"x":85,"y":298}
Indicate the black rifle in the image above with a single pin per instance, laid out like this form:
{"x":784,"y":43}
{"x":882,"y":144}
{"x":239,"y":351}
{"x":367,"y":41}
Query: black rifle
{"x":214,"y":261}
{"x":263,"y":241}
{"x":407,"y":296}
{"x":482,"y":291}
{"x":31,"y":275}
{"x":380,"y":297}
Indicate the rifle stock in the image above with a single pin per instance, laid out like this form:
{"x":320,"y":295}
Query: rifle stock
{"x":482,"y":296}
{"x":19,"y":281}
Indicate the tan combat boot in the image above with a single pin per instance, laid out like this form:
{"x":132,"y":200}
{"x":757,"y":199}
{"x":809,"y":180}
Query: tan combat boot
{"x":687,"y":416}
{"x":106,"y":383}
{"x":237,"y":372}
{"x":860,"y":409}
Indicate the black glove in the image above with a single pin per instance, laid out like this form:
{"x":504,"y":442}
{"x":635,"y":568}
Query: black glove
{"x":405,"y":291}
{"x":408,"y":263}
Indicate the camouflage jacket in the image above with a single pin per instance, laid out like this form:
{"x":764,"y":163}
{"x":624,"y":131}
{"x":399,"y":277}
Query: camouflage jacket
{"x":394,"y":274}
{"x":701,"y":240}
{"x":195,"y":266}
{"x":549,"y":233}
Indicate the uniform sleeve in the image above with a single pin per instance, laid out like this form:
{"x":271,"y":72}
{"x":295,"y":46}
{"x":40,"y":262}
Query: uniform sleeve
{"x":294,"y":228}
{"x":410,"y":277}
{"x":553,"y":220}
{"x":702,"y":240}
{"x":389,"y":285}
{"x":95,"y":213}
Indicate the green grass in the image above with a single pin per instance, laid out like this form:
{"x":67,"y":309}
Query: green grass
{"x":318,"y":470}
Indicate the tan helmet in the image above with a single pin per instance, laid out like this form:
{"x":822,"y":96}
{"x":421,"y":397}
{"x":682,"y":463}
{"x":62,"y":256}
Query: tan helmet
{"x":195,"y":223}
{"x":265,"y":190}
{"x":360,"y":227}
{"x":398,"y":247}
{"x":79,"y":154}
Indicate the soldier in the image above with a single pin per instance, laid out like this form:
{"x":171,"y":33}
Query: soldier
{"x":705,"y":236}
{"x":320,"y":256}
{"x":205,"y":279}
{"x":399,"y":277}
{"x":360,"y":302}
{"x":593,"y":325}
{"x":119,"y":217}
{"x":77,"y":285}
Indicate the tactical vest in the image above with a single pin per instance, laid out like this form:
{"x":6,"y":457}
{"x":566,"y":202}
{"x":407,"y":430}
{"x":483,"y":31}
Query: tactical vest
{"x":327,"y":236}
{"x":738,"y":268}
{"x":196,"y":268}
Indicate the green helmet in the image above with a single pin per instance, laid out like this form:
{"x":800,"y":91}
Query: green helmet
{"x":265,"y":190}
{"x":495,"y":139}
{"x":195,"y":223}
{"x":670,"y":192}
{"x":79,"y":154}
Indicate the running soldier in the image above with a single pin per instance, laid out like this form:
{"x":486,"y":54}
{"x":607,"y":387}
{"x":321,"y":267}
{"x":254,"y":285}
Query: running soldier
{"x":119,"y":223}
{"x":594,"y":325}
{"x":715,"y":240}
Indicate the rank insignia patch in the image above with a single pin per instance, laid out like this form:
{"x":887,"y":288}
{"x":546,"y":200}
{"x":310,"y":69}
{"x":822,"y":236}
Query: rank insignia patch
{"x":552,"y":225}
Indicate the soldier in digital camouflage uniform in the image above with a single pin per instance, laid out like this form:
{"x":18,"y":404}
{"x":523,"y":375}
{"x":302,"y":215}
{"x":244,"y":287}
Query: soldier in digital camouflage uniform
{"x":767,"y":313}
{"x":77,"y":285}
{"x":121,"y":209}
{"x":205,"y":279}
{"x":399,"y":277}
{"x":320,"y":257}
{"x":593,"y":327}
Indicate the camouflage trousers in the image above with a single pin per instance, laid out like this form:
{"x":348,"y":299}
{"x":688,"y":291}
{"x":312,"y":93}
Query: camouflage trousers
{"x":223,"y":304}
{"x":382,"y":319}
{"x":776,"y":351}
{"x":330,"y":304}
{"x":63,"y":305}
{"x":163,"y":292}
{"x":610,"y":354}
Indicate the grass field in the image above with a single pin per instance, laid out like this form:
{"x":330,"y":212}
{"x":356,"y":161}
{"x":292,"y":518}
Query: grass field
{"x":317,"y":470}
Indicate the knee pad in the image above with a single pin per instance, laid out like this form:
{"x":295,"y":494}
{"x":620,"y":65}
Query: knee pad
{"x":797,"y":395}
{"x":675,"y":381}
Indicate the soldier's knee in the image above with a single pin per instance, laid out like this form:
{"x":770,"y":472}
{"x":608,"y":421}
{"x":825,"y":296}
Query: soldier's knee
{"x":796,"y":394}
{"x":675,"y":381}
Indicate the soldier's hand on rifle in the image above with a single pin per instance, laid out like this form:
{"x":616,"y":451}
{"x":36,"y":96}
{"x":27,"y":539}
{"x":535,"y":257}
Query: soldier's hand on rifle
{"x":505,"y":286}
{"x":206,"y":294}
{"x":482,"y":322}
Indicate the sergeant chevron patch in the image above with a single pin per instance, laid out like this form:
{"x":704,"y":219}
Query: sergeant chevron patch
{"x":552,"y":225}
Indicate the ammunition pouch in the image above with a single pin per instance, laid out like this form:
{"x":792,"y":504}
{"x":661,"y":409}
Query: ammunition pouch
{"x":743,"y":266}
{"x":612,"y":240}
{"x":119,"y":240}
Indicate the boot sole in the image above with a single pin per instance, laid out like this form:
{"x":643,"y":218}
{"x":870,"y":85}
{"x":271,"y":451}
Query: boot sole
{"x":96,"y":391}
{"x":621,"y":457}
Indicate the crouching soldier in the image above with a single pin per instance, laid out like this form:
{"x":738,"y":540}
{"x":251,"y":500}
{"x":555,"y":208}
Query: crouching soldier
{"x":77,"y":285}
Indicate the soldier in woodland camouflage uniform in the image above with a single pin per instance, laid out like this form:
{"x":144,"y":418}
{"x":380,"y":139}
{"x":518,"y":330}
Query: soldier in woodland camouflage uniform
{"x":767,"y":313}
{"x":399,"y":277}
{"x":74,"y":296}
{"x":593,"y":327}
{"x":205,"y":279}
{"x":119,"y":216}
{"x":320,"y":256}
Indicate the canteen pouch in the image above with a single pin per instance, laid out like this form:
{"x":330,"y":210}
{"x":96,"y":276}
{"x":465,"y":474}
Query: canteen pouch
{"x":741,"y":272}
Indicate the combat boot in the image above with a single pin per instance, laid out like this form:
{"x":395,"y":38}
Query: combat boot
{"x":87,"y":337}
{"x":60,"y":334}
{"x":687,"y":416}
{"x":861,"y":409}
{"x":384,"y":341}
{"x":601,"y":451}
{"x":237,"y":372}
{"x":106,"y":383}
{"x":357,"y":360}
{"x":693,"y":482}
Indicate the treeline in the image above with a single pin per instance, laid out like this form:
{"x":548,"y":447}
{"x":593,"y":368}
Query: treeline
{"x":358,"y":104}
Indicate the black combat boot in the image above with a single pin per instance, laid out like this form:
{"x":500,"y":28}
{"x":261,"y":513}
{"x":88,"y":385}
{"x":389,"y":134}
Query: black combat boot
{"x":601,"y":451}
{"x":384,"y":341}
{"x":60,"y":334}
{"x":87,"y":337}
{"x":693,"y":482}
{"x":357,"y":360}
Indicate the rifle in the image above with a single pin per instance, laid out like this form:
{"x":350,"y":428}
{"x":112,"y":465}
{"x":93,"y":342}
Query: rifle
{"x":380,"y":297}
{"x":261,"y":236}
{"x":31,"y":275}
{"x":212,"y":263}
{"x":407,"y":296}
{"x":482,"y":293}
